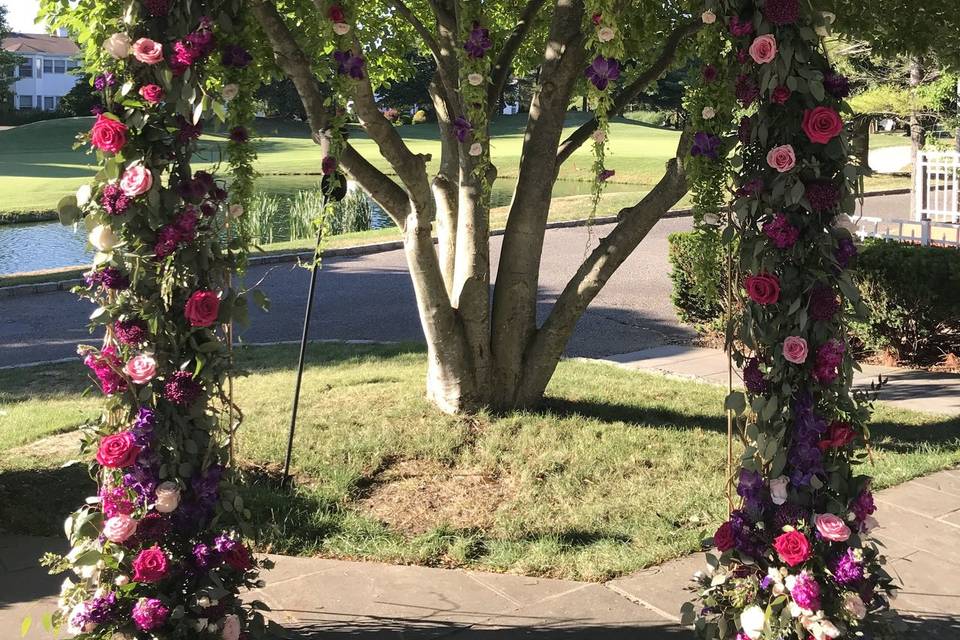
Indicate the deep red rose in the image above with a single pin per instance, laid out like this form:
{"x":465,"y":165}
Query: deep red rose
{"x":152,"y":93}
{"x":763,"y":288}
{"x":202,"y":308}
{"x":840,"y":434}
{"x":724,"y":539}
{"x":150,"y":565}
{"x":821,"y":124}
{"x":108,"y":134}
{"x":238,"y":557}
{"x":336,"y":14}
{"x":118,"y":450}
{"x":792,"y":547}
{"x":780,"y":95}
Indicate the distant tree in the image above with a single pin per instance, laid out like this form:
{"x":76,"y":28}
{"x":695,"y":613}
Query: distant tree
{"x":8,"y":62}
{"x":412,"y":89}
{"x":80,"y":99}
{"x":281,"y":99}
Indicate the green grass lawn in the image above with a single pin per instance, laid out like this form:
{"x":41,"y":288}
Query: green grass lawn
{"x":618,"y":471}
{"x":38,"y":164}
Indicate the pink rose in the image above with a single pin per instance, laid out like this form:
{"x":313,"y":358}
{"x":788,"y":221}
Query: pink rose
{"x":782,"y":158}
{"x":795,"y":349}
{"x":763,"y":49}
{"x":152,"y":93}
{"x":763,"y":288}
{"x":202,"y":308}
{"x":821,"y":124}
{"x":831,"y":527}
{"x":141,"y":369}
{"x":119,"y":528}
{"x":118,"y":450}
{"x":108,"y":134}
{"x":792,"y":547}
{"x":136,"y":180}
{"x":148,"y":51}
{"x":150,"y":565}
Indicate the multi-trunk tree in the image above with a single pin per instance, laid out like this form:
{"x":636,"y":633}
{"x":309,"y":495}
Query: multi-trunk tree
{"x":486,"y":347}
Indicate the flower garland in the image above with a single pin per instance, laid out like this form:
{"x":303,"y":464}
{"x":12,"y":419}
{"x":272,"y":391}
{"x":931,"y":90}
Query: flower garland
{"x":604,"y":42}
{"x":472,"y":129}
{"x":795,"y":561}
{"x":158,"y":552}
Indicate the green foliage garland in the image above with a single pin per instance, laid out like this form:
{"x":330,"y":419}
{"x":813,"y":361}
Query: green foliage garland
{"x":795,"y":559}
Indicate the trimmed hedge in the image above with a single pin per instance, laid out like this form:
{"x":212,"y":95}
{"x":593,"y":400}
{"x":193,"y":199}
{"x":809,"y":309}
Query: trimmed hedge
{"x":912,"y":294}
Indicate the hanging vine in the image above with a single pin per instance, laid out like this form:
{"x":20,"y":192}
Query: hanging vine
{"x":159,"y":551}
{"x":795,"y":558}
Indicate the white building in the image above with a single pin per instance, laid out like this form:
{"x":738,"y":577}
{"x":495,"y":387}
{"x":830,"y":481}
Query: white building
{"x":44,"y":76}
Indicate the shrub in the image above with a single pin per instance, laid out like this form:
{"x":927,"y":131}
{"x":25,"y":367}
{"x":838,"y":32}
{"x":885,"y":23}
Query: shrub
{"x":913,"y":295}
{"x":27,"y":116}
{"x":697,"y":272}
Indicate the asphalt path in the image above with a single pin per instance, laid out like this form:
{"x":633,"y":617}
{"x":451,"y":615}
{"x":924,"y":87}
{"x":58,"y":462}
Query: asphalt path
{"x":371,"y":298}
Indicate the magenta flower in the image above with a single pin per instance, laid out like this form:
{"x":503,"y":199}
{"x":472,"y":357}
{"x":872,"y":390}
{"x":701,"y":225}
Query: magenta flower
{"x":781,"y":12}
{"x":602,"y":71}
{"x":740,"y":28}
{"x":710,"y":73}
{"x":478,"y":42}
{"x":349,"y":64}
{"x":149,"y":614}
{"x":783,"y":234}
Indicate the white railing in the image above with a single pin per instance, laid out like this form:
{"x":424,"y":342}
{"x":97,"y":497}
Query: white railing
{"x":937,"y":184}
{"x":922,"y":232}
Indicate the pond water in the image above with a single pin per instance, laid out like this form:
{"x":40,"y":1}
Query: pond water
{"x":50,"y":245}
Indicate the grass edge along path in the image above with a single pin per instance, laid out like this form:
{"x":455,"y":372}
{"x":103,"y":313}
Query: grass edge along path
{"x":619,"y":471}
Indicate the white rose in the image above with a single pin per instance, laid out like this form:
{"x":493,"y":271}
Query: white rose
{"x":168,"y":497}
{"x":121,"y":580}
{"x":752,"y":620}
{"x":235,"y":210}
{"x":118,"y":45}
{"x":341,"y":28}
{"x":231,"y":627}
{"x":711,"y":219}
{"x":476,"y":149}
{"x":708,"y":113}
{"x":708,"y":17}
{"x":778,"y":489}
{"x":230,"y":91}
{"x":606,"y":34}
{"x":476,"y":79}
{"x":854,"y":606}
{"x":103,"y":238}
{"x":827,"y":630}
{"x":84,"y":193}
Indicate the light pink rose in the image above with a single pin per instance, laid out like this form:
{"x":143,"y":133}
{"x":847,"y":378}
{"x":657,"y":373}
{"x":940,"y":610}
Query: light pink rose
{"x":782,"y":158}
{"x":141,"y":369}
{"x":118,"y":45}
{"x":341,"y":28}
{"x":832,"y":527}
{"x":148,"y":51}
{"x":795,"y":349}
{"x":231,"y":627}
{"x":763,"y":49}
{"x":136,"y":180}
{"x":119,"y":528}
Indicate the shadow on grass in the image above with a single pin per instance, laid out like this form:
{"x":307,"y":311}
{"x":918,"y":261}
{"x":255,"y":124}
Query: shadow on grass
{"x":60,"y":491}
{"x":632,"y":414}
{"x":907,"y":438}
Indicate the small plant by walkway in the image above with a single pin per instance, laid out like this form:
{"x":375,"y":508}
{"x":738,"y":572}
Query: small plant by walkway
{"x":619,"y":471}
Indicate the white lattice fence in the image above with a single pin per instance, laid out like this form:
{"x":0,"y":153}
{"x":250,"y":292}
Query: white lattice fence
{"x":937,"y":183}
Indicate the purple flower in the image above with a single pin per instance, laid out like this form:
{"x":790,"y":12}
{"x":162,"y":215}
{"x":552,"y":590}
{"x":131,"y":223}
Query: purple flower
{"x":233,"y":55}
{"x":605,"y":174}
{"x":836,"y":85}
{"x":744,"y":130}
{"x":104,"y":80}
{"x":782,"y":12}
{"x":706,"y":145}
{"x":187,"y":131}
{"x":602,"y":71}
{"x":824,"y":303}
{"x":132,"y":333}
{"x":114,"y":279}
{"x":752,"y":488}
{"x":478,"y":42}
{"x":168,"y":239}
{"x":239,"y":135}
{"x":823,"y":196}
{"x":753,"y":378}
{"x":829,"y":358}
{"x":115,"y":501}
{"x":97,"y":110}
{"x":788,"y":514}
{"x":863,"y":505}
{"x":100,"y":610}
{"x":203,"y":556}
{"x":740,"y":28}
{"x":750,"y":188}
{"x":349,"y":64}
{"x":846,"y":251}
{"x":143,"y":425}
{"x":846,"y":569}
{"x":181,"y":389}
{"x":783,"y":234}
{"x":206,"y":488}
{"x":462,"y":129}
{"x":745,"y":536}
{"x":806,"y":591}
{"x":149,"y":614}
{"x":709,"y":73}
{"x":746,"y":90}
{"x":805,"y":457}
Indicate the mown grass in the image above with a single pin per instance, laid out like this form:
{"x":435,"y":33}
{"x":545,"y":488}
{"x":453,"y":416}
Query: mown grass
{"x":618,"y":470}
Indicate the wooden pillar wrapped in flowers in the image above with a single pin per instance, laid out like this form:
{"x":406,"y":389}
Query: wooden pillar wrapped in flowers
{"x":158,"y":552}
{"x":795,"y":559}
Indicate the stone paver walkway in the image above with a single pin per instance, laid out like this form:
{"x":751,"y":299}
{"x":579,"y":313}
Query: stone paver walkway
{"x":907,"y":388}
{"x":315,"y":598}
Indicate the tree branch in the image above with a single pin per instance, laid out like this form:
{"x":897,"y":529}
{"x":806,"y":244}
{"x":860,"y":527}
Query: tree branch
{"x":629,"y":92}
{"x":419,"y":27}
{"x":503,"y":65}
{"x":388,"y":194}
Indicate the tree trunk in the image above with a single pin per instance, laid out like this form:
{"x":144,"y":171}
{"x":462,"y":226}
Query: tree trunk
{"x":860,"y":141}
{"x":916,"y":132}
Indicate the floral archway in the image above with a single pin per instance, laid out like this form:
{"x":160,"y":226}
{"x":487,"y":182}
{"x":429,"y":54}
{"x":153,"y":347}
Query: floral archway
{"x":160,"y":553}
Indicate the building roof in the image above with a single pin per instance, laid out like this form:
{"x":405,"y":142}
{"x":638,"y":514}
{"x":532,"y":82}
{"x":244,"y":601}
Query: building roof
{"x":26,"y":43}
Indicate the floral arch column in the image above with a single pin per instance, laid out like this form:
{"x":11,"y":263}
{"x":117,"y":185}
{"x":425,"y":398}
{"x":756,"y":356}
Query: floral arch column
{"x":795,"y":561}
{"x":158,"y":552}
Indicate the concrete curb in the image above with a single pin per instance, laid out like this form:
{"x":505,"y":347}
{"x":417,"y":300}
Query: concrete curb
{"x":363,"y":250}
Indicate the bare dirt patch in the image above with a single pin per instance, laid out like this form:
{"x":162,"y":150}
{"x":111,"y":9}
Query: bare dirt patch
{"x":415,"y":496}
